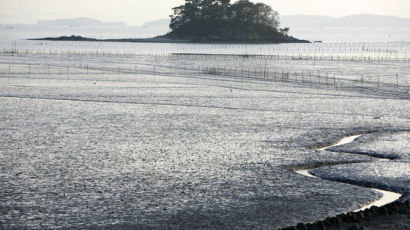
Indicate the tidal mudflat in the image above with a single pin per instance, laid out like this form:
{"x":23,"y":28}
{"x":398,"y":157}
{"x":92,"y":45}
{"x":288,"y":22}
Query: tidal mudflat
{"x":387,"y":196}
{"x":152,"y":151}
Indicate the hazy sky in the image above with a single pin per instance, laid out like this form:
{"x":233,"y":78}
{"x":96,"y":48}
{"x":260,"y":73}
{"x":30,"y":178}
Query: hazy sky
{"x":136,"y":12}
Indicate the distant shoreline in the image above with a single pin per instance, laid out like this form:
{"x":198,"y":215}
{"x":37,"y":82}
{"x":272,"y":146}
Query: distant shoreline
{"x":159,"y":39}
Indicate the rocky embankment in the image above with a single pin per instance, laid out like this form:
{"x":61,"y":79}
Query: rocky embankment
{"x":395,"y":215}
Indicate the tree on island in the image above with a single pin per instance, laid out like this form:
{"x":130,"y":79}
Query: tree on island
{"x":219,"y":20}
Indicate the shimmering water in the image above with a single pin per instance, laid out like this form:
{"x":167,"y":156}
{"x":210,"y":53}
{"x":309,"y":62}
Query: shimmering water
{"x":387,"y":196}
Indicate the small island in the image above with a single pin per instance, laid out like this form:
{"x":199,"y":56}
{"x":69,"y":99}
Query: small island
{"x":215,"y":21}
{"x":221,"y":21}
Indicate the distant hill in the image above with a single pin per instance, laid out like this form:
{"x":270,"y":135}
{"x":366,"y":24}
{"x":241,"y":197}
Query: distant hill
{"x":80,"y":22}
{"x":302,"y":21}
{"x":311,"y":27}
{"x":320,"y":21}
{"x":369,"y":21}
{"x":352,"y":21}
{"x":292,"y":21}
{"x":164,"y":23}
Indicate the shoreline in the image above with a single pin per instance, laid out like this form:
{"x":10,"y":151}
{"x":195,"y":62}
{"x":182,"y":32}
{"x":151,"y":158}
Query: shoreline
{"x":162,"y":39}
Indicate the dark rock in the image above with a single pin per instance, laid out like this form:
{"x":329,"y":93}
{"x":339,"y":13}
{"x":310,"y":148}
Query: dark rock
{"x":322,"y":226}
{"x":339,"y":220}
{"x":360,"y":215}
{"x":407,"y":203}
{"x":302,"y":226}
{"x":383,"y":211}
{"x":356,"y":227}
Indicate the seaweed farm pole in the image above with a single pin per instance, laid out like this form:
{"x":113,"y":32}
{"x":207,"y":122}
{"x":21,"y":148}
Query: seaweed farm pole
{"x":378,"y":81}
{"x":29,"y":70}
{"x":136,"y":70}
{"x":397,"y":80}
{"x":67,"y":72}
{"x":265,"y":70}
{"x":48,"y":69}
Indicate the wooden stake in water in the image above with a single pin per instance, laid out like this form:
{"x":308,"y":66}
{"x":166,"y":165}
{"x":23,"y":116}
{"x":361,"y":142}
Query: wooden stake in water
{"x":378,"y":81}
{"x":397,"y":80}
{"x":264,"y":75}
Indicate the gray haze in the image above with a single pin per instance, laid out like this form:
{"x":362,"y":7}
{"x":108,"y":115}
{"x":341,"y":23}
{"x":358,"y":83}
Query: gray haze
{"x":135,"y":12}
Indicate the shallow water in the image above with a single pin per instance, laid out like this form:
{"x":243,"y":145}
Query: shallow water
{"x":387,"y":196}
{"x":343,"y":141}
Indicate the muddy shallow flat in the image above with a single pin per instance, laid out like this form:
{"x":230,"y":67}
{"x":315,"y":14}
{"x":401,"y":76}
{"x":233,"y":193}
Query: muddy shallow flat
{"x":177,"y":152}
